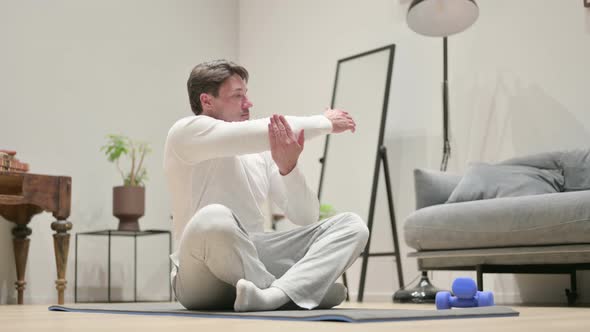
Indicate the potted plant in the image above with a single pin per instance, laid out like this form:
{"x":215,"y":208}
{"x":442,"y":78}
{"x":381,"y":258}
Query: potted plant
{"x":128,"y":199}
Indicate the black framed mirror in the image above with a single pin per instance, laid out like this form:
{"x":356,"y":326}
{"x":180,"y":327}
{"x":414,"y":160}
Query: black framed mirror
{"x":351,"y":162}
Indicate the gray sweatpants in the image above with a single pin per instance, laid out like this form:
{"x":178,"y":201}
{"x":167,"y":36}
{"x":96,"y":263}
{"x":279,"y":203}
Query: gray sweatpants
{"x":216,"y":251}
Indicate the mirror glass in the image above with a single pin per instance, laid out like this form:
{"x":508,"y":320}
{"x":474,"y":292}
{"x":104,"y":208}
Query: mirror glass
{"x":349,"y":158}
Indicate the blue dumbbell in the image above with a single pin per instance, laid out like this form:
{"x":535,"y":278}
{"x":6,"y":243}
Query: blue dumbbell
{"x":466,"y":296}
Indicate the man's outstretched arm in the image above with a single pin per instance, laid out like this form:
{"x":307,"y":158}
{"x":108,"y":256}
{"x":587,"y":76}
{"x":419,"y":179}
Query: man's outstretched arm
{"x":199,"y":138}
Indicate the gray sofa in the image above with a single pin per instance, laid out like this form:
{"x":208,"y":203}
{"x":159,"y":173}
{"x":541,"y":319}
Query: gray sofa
{"x":542,"y":233}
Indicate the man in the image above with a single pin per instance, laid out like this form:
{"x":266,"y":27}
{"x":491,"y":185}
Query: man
{"x":221,"y":167}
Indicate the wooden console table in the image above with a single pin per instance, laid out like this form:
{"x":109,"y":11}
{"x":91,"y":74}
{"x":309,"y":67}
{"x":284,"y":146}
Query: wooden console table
{"x":23,"y":195}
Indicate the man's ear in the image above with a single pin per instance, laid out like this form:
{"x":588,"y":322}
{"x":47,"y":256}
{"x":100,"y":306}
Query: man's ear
{"x":206,"y":101}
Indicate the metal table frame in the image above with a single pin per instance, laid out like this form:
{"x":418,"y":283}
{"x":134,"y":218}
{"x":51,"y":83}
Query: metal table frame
{"x":134,"y":234}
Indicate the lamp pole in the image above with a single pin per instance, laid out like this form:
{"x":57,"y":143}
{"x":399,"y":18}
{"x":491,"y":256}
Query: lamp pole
{"x":437,"y":18}
{"x":425,"y":291}
{"x":445,"y":88}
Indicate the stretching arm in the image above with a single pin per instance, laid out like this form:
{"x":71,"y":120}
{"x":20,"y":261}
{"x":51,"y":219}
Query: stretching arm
{"x":198,"y":138}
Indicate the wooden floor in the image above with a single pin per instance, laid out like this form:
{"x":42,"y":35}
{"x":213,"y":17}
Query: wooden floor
{"x":537,"y":319}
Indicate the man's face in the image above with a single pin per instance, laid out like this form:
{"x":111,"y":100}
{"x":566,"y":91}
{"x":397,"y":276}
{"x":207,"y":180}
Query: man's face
{"x":231,"y":104}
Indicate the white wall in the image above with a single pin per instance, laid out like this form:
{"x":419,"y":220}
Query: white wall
{"x":74,"y":71}
{"x":518,"y":81}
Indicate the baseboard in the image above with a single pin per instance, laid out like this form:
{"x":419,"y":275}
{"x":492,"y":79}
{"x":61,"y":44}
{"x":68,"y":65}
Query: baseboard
{"x":35,"y":300}
{"x":372,"y":296}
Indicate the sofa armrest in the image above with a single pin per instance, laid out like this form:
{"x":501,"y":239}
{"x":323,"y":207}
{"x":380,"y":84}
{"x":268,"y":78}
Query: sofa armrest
{"x":433,"y":187}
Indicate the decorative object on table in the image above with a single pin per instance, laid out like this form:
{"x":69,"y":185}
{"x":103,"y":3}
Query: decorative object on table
{"x":435,"y":18}
{"x":361,"y":87}
{"x":9,"y":163}
{"x":466,"y":296}
{"x":128,"y":199}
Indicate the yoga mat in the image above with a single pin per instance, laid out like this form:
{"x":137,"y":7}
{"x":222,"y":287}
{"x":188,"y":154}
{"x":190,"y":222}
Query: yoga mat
{"x":350,"y":315}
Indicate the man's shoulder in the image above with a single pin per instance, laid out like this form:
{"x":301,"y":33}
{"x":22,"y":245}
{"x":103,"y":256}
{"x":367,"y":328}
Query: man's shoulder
{"x":191,"y":123}
{"x":192,"y":119}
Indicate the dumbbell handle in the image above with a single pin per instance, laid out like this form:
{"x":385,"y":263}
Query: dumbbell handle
{"x":463,"y":303}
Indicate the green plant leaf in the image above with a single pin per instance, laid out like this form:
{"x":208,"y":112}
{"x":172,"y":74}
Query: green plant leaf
{"x":120,"y":145}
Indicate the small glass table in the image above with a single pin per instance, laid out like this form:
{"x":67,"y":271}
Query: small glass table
{"x":135,"y":234}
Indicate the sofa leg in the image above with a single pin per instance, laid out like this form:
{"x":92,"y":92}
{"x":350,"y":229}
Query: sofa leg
{"x":572,"y":295}
{"x":479,"y":270}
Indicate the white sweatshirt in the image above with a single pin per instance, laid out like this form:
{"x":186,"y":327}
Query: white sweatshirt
{"x":208,"y":161}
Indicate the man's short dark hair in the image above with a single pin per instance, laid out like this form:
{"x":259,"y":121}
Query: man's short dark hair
{"x":207,"y":77}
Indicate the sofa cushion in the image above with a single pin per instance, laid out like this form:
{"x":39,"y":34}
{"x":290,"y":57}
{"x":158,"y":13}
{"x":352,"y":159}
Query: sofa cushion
{"x":433,"y":187}
{"x":560,"y":218}
{"x":575,"y":165}
{"x":485,"y":181}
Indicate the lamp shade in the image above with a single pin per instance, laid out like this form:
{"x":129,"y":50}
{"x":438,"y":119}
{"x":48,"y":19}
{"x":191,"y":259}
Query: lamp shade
{"x":440,"y":18}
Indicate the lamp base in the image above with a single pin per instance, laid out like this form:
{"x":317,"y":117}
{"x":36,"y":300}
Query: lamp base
{"x":423,"y":292}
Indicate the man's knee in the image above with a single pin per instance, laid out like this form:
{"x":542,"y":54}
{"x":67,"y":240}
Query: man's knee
{"x":355,"y":224}
{"x":215,"y":221}
{"x":213,"y":211}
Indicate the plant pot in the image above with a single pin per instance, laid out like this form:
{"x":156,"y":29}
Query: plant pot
{"x":128,"y":206}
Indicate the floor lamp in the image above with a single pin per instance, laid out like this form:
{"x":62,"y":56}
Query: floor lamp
{"x":437,"y":18}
